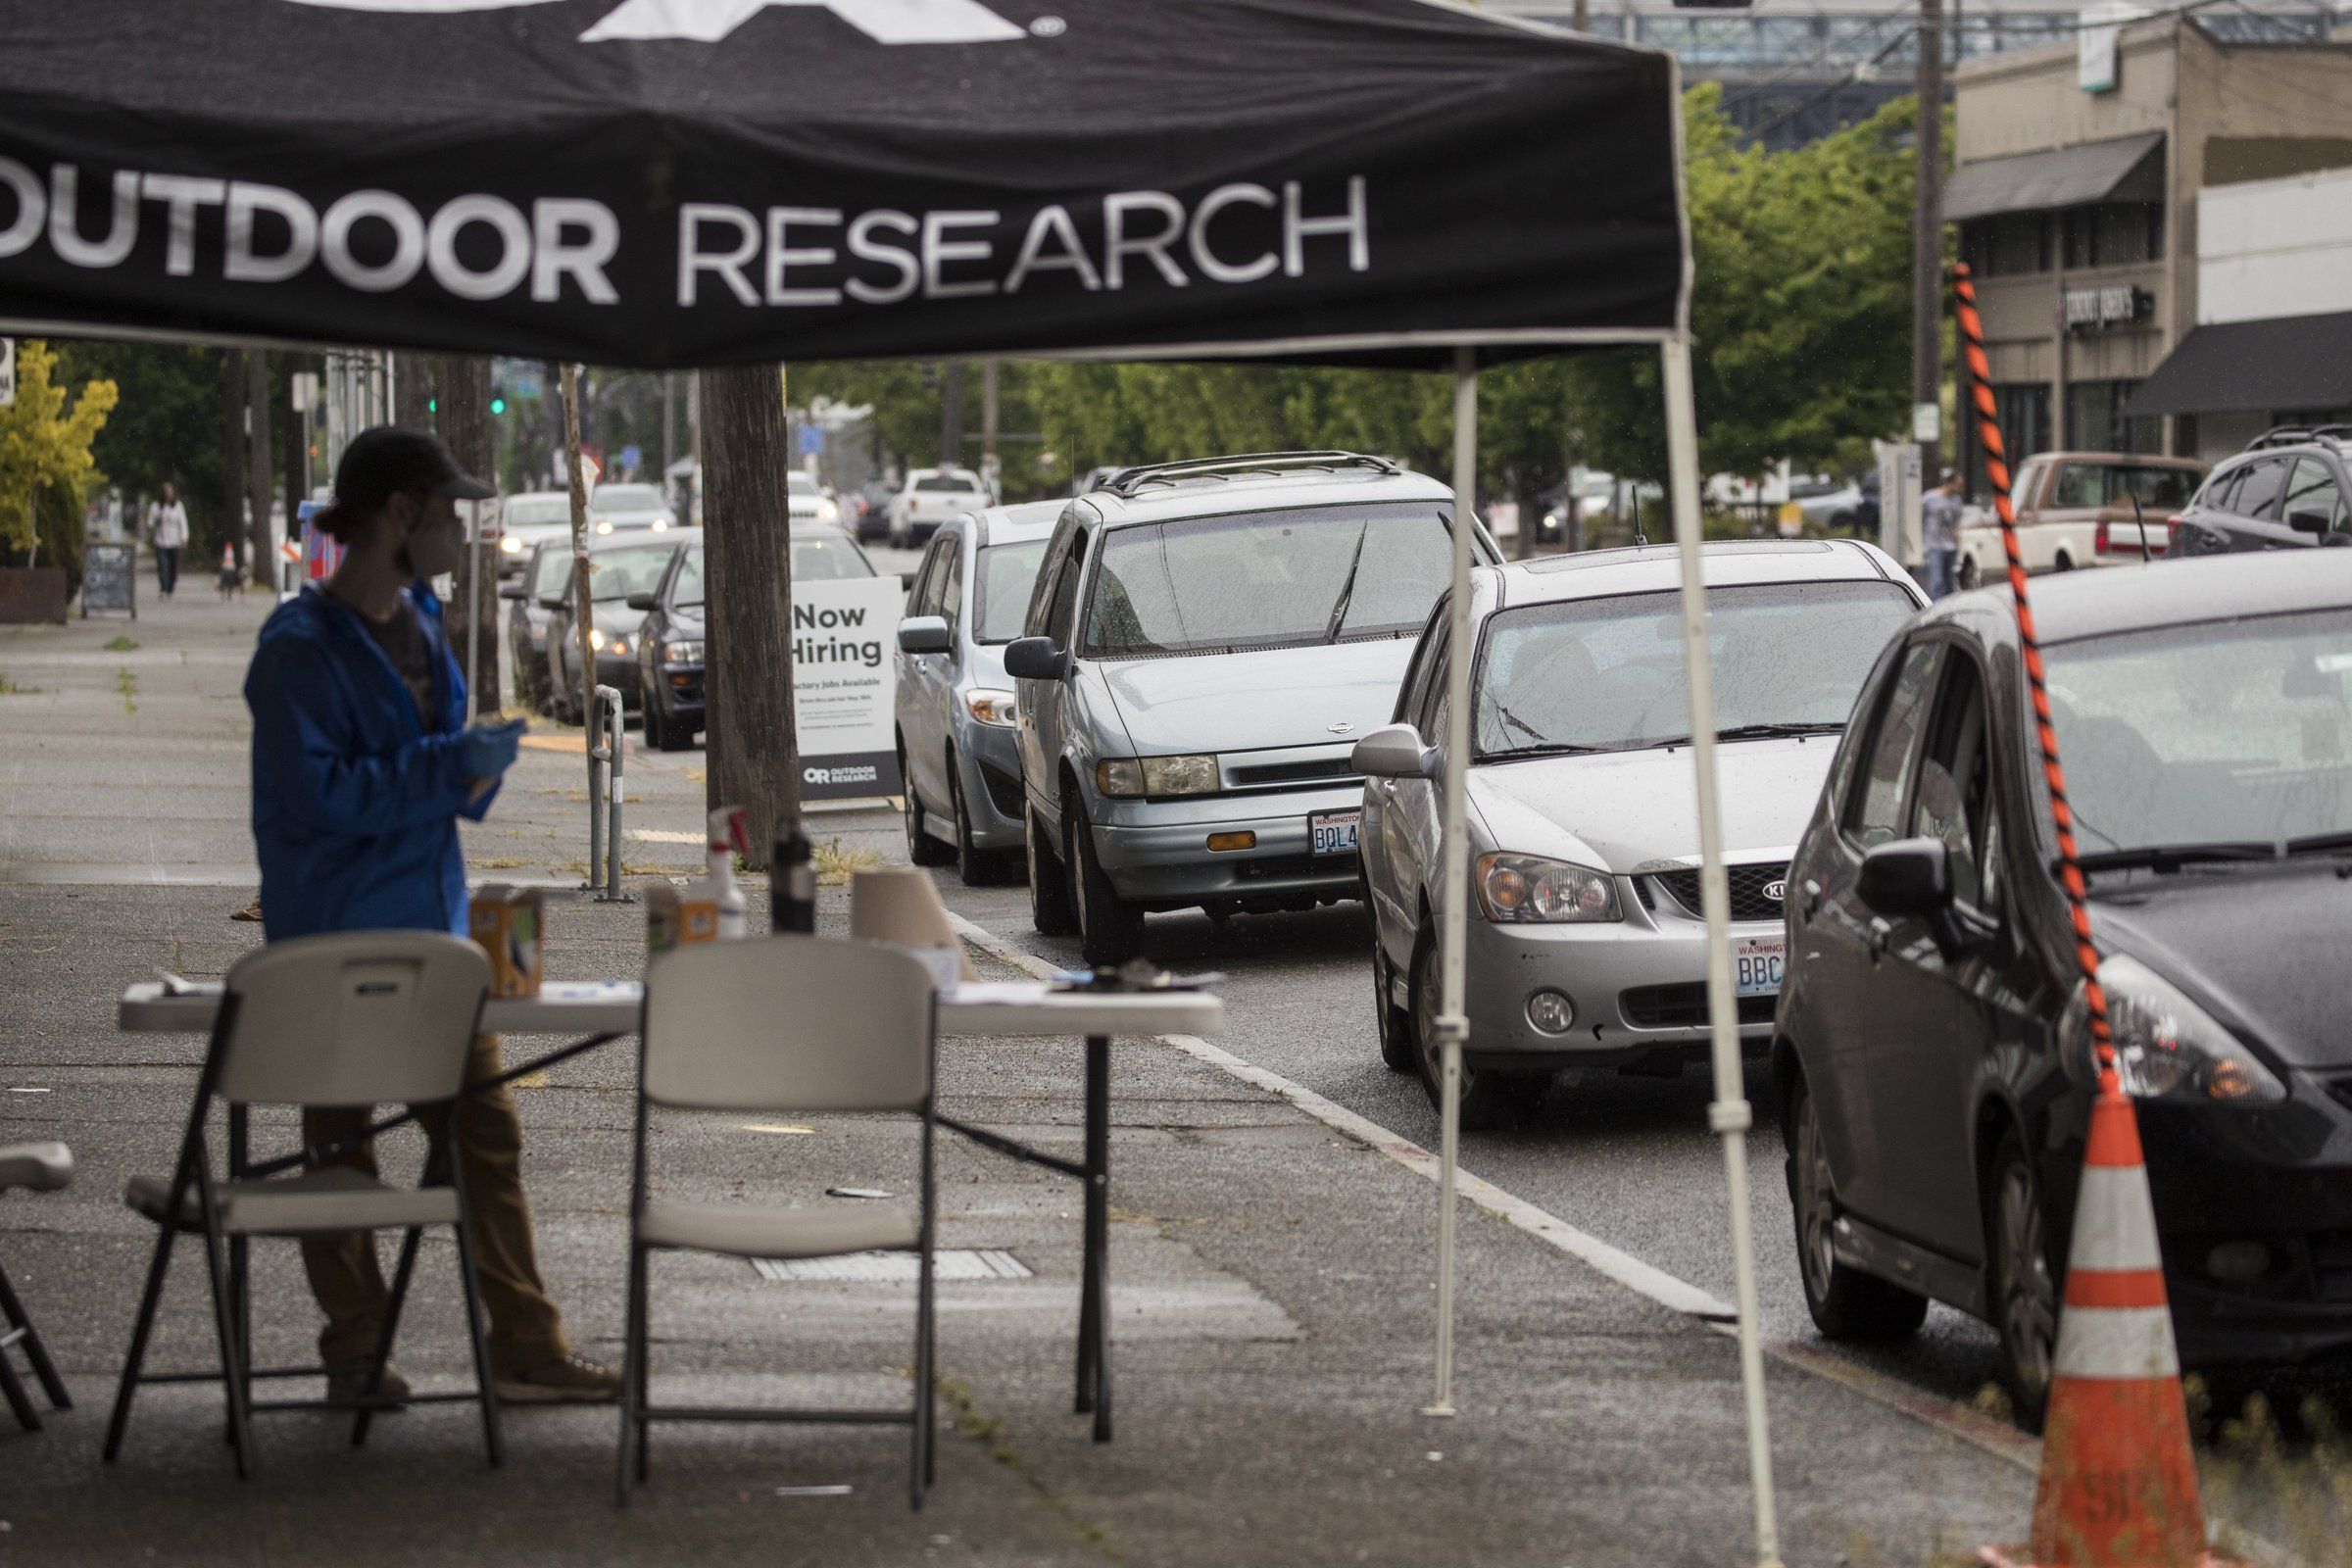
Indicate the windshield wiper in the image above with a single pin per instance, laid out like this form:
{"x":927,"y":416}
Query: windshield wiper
{"x":1339,"y":610}
{"x":1521,"y":725}
{"x":1751,"y":732}
{"x":2173,"y":856}
{"x":2319,"y":843}
{"x":1519,"y":753}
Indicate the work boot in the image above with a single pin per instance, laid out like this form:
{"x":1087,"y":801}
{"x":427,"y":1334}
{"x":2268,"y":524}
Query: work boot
{"x":569,"y":1380}
{"x":352,"y":1385}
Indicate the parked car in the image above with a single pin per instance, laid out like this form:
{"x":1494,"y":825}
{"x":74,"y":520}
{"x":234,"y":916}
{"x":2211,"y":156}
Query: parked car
{"x":545,"y":574}
{"x":1831,"y":503}
{"x":619,"y":508}
{"x":2077,"y":510}
{"x":528,"y":519}
{"x":671,"y":629}
{"x":1931,"y":1051}
{"x":930,"y":498}
{"x":955,"y":707}
{"x":869,"y":510}
{"x":633,"y":562}
{"x":1586,"y":946}
{"x":1204,"y":642}
{"x":2291,"y":488}
{"x":807,"y":501}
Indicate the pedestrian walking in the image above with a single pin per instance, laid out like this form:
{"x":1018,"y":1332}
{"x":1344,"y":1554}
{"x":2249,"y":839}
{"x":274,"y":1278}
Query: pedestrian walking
{"x":171,"y":538}
{"x":1940,"y":525}
{"x":362,"y":765}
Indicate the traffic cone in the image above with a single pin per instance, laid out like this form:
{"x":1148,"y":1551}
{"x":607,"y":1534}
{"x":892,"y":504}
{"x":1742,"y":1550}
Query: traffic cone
{"x":2119,"y":1485}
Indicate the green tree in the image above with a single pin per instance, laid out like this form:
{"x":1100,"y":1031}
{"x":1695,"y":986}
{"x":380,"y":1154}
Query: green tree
{"x":45,"y":443}
{"x":166,"y":428}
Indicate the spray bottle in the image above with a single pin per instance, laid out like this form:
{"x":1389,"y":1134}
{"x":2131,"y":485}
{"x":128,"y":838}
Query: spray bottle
{"x":711,"y":907}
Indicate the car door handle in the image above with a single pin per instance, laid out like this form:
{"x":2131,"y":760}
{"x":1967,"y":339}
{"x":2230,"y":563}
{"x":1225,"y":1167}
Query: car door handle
{"x":1808,"y":900}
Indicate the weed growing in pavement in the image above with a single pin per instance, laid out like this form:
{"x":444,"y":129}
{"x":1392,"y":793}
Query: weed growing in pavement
{"x":129,"y":685}
{"x":8,"y":688}
{"x":122,"y":644}
{"x":2294,"y":1472}
{"x":834,"y":864}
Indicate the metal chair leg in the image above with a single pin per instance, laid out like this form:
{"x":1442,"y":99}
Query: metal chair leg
{"x":483,"y":1385}
{"x":632,"y":1362}
{"x":18,"y":1400}
{"x":35,"y":1352}
{"x":142,"y":1327}
{"x":232,"y":1375}
{"x":645,"y":1365}
{"x":364,"y":1416}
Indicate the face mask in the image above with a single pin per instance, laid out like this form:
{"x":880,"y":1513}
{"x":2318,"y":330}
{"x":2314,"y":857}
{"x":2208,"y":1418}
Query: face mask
{"x":435,"y":548}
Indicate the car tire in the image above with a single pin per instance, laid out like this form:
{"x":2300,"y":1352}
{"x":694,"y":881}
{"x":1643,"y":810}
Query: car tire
{"x":974,"y":865}
{"x":2026,"y":1281}
{"x":1049,"y":884}
{"x":1394,"y":1028}
{"x":922,"y":847}
{"x":663,"y":732}
{"x":1847,"y":1306}
{"x":1488,"y":1098}
{"x":2064,"y":562}
{"x":1110,"y":930}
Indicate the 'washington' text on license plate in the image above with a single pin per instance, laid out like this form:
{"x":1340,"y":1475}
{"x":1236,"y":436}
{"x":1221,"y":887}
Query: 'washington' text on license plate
{"x":1333,"y":832}
{"x":1756,"y":965}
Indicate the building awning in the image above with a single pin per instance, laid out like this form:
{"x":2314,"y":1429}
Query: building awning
{"x":2125,"y":170}
{"x":2295,"y":362}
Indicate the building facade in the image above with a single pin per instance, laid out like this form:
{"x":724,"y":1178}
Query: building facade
{"x":2088,"y":179}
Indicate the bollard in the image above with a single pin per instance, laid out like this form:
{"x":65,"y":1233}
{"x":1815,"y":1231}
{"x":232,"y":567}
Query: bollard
{"x":791,"y":881}
{"x":617,"y":743}
{"x":607,"y":748}
{"x":593,"y":717}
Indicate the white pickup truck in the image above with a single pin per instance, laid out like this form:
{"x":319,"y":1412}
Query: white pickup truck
{"x":930,"y":498}
{"x":2076,"y":509}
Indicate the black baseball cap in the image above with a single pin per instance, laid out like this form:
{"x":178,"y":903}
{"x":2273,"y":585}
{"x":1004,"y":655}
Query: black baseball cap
{"x":386,"y":461}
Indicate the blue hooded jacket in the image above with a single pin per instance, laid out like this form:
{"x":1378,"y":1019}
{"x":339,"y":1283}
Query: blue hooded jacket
{"x":355,"y":803}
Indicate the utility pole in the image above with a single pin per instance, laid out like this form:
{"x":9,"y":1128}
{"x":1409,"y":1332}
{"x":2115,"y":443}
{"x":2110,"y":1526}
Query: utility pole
{"x":951,"y":414}
{"x":262,"y":561}
{"x":989,"y":464}
{"x":1926,"y":259}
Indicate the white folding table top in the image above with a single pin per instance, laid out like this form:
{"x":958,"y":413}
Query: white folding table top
{"x":973,"y":1008}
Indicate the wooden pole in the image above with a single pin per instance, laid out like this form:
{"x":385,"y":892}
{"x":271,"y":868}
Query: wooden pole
{"x":262,"y":559}
{"x":583,"y":613}
{"x":463,"y":383}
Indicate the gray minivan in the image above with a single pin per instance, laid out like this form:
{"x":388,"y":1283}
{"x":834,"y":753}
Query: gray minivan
{"x":1205,"y":645}
{"x":955,"y":704}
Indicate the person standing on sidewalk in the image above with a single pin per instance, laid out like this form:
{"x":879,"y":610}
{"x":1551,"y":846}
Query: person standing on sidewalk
{"x":171,"y":538}
{"x":1940,"y":527}
{"x":362,"y":765}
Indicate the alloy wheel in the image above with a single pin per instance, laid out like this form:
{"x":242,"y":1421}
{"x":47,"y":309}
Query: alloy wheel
{"x":2028,"y":1305}
{"x":1815,"y":1210}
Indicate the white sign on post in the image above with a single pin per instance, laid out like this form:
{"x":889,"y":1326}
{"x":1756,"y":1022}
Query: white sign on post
{"x":8,"y":373}
{"x":844,"y":686}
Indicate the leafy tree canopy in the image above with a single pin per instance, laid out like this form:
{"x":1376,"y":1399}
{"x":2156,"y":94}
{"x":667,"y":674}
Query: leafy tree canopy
{"x":45,"y":440}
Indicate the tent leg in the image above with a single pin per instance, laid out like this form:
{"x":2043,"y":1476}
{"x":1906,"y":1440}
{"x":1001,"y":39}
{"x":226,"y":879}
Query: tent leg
{"x":1728,"y":1115}
{"x":1453,"y":1023}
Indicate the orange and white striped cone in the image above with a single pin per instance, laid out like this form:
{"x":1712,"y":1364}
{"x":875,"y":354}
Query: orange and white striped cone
{"x":2119,"y":1485}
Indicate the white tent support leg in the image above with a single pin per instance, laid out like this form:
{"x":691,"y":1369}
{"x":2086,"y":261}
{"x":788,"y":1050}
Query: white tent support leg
{"x":1728,"y":1115}
{"x":1453,"y":1026}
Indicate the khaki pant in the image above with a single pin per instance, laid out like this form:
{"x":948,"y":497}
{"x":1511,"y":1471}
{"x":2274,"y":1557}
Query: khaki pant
{"x":526,"y":1329}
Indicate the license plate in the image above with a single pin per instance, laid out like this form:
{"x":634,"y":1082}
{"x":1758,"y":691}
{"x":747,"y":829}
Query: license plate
{"x":1757,"y":964}
{"x":1333,"y":832}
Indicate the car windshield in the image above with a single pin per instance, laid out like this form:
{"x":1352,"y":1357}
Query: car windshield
{"x":554,"y":572}
{"x":829,"y":557}
{"x":687,"y":592}
{"x":2236,"y":732}
{"x":617,"y":574}
{"x":1267,"y":579}
{"x":1000,"y":593}
{"x":611,"y":498}
{"x":524,"y":512}
{"x":946,"y":484}
{"x":1608,"y":675}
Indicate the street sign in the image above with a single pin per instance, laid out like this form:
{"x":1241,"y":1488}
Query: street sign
{"x":813,"y":440}
{"x":1927,"y":422}
{"x":631,"y":457}
{"x":8,"y":373}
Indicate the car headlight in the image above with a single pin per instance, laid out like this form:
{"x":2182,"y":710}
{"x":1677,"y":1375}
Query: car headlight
{"x":827,"y":510}
{"x":661,"y":524}
{"x":596,"y":638}
{"x":2166,"y":1047}
{"x":681,"y":653}
{"x":992,"y":707}
{"x":509,"y":545}
{"x":618,"y":648}
{"x":1527,"y":889}
{"x":604,"y":527}
{"x":538,"y":634}
{"x":1158,"y":775}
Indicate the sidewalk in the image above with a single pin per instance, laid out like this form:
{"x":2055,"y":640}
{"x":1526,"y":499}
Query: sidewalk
{"x":1273,"y":1308}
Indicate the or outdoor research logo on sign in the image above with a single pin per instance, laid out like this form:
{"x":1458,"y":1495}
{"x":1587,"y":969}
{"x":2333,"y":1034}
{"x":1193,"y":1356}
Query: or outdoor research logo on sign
{"x":712,"y":21}
{"x":1776,"y":890}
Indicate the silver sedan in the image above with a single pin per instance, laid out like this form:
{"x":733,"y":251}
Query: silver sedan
{"x":1587,"y":948}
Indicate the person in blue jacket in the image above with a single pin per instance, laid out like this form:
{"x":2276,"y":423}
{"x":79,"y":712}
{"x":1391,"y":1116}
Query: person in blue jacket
{"x":362,"y":765}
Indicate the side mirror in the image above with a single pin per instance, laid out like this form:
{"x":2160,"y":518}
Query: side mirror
{"x":1393,"y":751}
{"x":647,"y":603}
{"x":513,"y":590}
{"x":1908,"y":880}
{"x":2313,"y":522}
{"x":925,"y":634}
{"x":1035,"y":658}
{"x":555,"y":601}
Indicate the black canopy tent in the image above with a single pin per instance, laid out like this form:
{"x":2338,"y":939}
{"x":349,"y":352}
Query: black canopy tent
{"x":678,"y":183}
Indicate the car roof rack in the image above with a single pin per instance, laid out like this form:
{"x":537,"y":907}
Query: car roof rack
{"x":1127,"y":481}
{"x":2291,"y":435}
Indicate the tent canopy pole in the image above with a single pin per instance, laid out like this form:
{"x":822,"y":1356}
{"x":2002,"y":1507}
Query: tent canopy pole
{"x":1728,"y":1115}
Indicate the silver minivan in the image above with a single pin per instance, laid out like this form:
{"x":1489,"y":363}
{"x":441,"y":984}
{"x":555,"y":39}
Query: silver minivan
{"x":1206,"y":642}
{"x":955,"y":704}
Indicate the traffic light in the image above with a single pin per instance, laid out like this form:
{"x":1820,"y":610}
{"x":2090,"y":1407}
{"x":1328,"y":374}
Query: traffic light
{"x":432,"y":405}
{"x":498,"y":406}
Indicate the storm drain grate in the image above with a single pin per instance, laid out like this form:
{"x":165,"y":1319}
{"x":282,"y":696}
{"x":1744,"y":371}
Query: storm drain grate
{"x":882,"y":1268}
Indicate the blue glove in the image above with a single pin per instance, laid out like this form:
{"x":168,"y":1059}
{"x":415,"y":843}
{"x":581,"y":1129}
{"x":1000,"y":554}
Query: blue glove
{"x":487,"y":751}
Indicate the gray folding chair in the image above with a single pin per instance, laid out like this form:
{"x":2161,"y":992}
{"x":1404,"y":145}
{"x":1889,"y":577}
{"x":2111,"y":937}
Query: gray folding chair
{"x":789,"y":1024}
{"x":37,"y":1168}
{"x":353,"y":1018}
